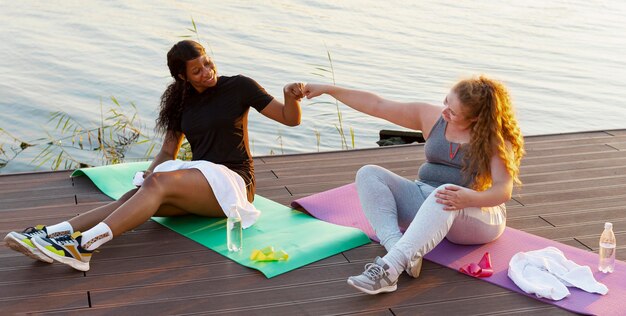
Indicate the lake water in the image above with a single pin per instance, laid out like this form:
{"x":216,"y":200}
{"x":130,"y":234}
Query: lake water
{"x":563,"y":60}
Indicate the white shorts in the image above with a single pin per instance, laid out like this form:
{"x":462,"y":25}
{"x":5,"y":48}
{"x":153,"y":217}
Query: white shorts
{"x":228,"y":186}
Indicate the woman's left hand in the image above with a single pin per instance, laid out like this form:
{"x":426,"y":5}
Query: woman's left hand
{"x":294,"y":90}
{"x":454,"y":197}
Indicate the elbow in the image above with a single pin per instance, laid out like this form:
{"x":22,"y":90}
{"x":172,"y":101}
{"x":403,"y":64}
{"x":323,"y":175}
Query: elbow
{"x":293,"y":122}
{"x":503,"y":191}
{"x":508,"y":196}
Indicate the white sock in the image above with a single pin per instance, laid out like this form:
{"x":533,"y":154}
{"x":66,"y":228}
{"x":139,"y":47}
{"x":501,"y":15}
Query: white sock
{"x":60,"y":229}
{"x":95,"y":237}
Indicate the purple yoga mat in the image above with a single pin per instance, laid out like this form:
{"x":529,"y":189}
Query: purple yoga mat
{"x":341,"y":206}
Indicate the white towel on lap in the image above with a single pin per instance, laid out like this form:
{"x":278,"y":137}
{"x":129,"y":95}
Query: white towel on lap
{"x":547,"y":273}
{"x":228,"y":186}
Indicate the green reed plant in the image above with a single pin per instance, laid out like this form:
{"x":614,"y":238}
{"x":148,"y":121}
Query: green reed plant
{"x":330,"y":71}
{"x":8,"y":152}
{"x":318,"y":138}
{"x":115,"y":133}
{"x":74,"y":144}
{"x":194,"y":30}
{"x":279,"y":139}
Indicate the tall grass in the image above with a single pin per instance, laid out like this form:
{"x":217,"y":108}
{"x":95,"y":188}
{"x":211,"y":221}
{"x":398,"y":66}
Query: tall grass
{"x":74,"y":144}
{"x":326,"y":71}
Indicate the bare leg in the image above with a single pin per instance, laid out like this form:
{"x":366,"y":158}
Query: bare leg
{"x":89,"y":219}
{"x":166,"y":194}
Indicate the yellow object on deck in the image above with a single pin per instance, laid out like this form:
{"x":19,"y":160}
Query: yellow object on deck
{"x":268,"y":254}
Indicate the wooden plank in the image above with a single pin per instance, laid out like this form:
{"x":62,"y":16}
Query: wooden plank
{"x":576,"y":165}
{"x":568,"y":195}
{"x":580,"y":136}
{"x":333,"y":295}
{"x":37,"y":194}
{"x":407,"y":151}
{"x":578,"y":231}
{"x":33,"y":177}
{"x":25,"y":269}
{"x":507,"y":302}
{"x":617,"y":132}
{"x":576,"y":142}
{"x":384,"y":312}
{"x":597,"y":215}
{"x":527,"y":222}
{"x":61,"y":302}
{"x":578,"y":205}
{"x":39,"y":202}
{"x":20,"y":218}
{"x":558,"y":176}
{"x":93,"y":197}
{"x":10,"y":190}
{"x":593,"y":243}
{"x":620,"y":146}
{"x":609,"y":153}
{"x":562,"y":185}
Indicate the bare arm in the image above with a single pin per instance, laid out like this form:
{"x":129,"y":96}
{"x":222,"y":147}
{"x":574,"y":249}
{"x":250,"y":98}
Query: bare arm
{"x":169,"y":150}
{"x":289,"y":113}
{"x":413,"y":115}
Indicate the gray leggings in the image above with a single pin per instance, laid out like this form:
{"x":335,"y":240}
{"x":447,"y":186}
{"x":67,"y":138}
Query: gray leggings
{"x":391,"y":203}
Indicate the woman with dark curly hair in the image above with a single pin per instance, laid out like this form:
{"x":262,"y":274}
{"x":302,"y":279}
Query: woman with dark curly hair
{"x":211,"y":111}
{"x":473,"y":153}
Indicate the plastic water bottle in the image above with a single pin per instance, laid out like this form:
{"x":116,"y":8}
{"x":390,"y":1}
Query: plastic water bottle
{"x":234,"y":231}
{"x":607,"y":249}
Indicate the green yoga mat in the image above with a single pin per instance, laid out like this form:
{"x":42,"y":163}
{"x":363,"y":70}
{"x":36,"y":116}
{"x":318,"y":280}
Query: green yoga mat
{"x":113,"y":180}
{"x":305,"y":238}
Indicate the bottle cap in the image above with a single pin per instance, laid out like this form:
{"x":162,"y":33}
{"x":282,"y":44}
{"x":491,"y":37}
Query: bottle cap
{"x":608,"y":225}
{"x":234,"y":213}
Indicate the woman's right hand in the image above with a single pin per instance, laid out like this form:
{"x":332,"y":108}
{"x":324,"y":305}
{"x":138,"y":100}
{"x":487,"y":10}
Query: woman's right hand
{"x":312,"y":90}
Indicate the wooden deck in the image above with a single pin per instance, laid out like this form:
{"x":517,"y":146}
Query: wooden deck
{"x":573,"y":184}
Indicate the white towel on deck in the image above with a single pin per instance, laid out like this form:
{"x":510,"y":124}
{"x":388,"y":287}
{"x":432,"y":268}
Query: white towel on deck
{"x":228,"y":187}
{"x":547,"y":273}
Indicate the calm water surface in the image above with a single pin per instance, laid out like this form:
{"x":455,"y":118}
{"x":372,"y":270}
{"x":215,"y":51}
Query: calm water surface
{"x":564,"y":61}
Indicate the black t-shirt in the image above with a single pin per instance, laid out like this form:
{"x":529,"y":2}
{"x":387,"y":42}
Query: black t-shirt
{"x":215,"y":123}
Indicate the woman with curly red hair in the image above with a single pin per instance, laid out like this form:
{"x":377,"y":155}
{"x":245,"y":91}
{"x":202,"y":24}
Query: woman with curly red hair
{"x":473,"y":152}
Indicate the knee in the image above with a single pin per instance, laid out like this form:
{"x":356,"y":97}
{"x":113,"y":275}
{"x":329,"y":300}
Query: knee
{"x":367,"y":172}
{"x":440,"y":188}
{"x":432,"y":198}
{"x":155,"y":182}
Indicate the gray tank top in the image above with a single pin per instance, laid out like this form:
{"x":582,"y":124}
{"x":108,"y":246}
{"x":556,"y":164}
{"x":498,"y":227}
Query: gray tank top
{"x":444,"y":159}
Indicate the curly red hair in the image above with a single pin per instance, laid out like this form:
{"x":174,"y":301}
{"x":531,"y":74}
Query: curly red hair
{"x":495,"y":129}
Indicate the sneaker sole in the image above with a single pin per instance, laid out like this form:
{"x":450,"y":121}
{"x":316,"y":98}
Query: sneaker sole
{"x":74,"y":263}
{"x":385,"y":289}
{"x":26,"y":250}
